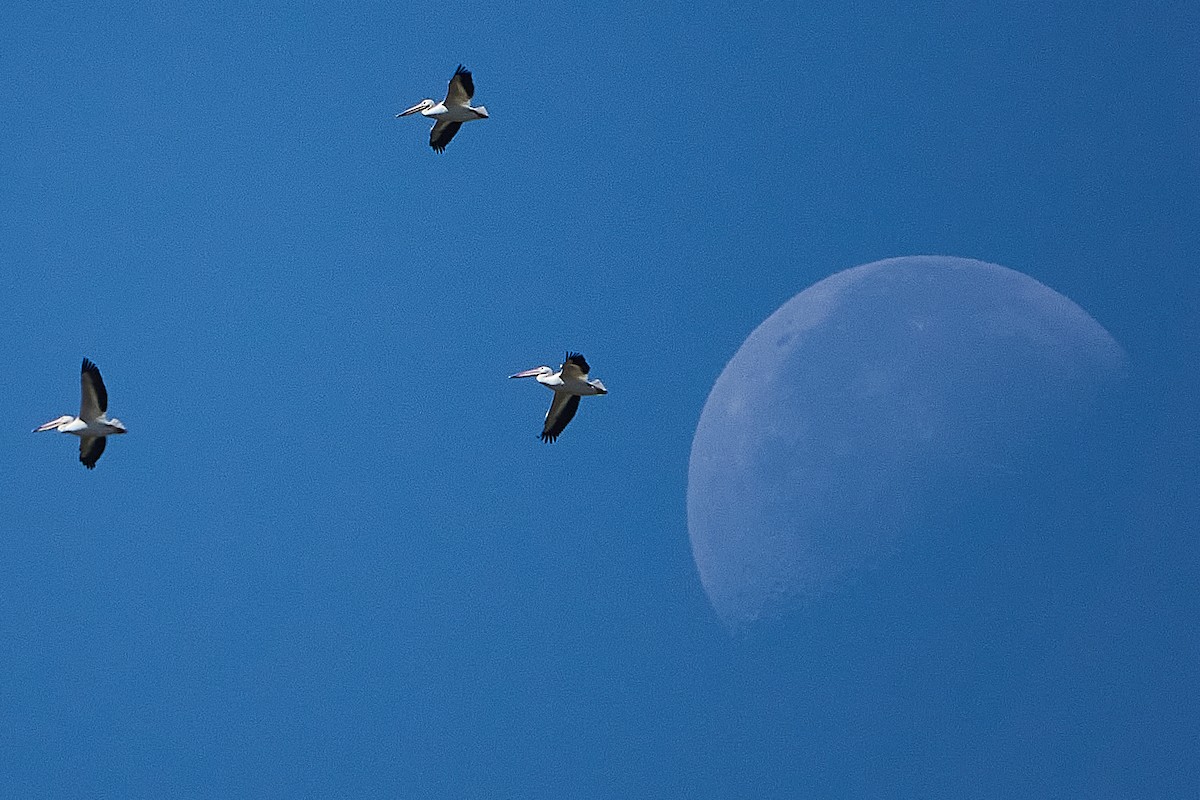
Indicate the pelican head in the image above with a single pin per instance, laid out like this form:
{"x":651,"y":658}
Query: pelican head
{"x":536,"y":372}
{"x":54,"y":423}
{"x":421,"y":106}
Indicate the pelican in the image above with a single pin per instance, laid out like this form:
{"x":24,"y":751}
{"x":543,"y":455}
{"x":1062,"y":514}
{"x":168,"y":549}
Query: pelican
{"x":452,"y":112}
{"x":568,"y":384}
{"x":92,"y":425}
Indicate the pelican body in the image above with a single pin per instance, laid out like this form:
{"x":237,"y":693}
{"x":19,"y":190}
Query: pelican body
{"x":452,"y":112}
{"x":568,"y":384}
{"x":92,"y":426}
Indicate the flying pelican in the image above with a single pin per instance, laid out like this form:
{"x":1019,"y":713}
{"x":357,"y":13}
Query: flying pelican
{"x":452,"y":112}
{"x":92,"y":425}
{"x":568,"y":384}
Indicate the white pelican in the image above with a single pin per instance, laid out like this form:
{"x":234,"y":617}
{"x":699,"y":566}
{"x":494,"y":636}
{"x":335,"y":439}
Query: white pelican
{"x":92,"y":425}
{"x":569,"y":384}
{"x":452,"y":112}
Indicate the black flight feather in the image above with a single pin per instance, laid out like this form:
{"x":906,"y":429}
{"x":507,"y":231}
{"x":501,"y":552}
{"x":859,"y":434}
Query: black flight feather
{"x":101,"y":393}
{"x":467,"y":82}
{"x":578,"y":360}
{"x":90,"y":450}
{"x":439,"y":139}
{"x":568,"y":414}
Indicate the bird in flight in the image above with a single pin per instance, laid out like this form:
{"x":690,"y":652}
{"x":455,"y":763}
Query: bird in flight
{"x":92,"y":426}
{"x":568,"y":384}
{"x":452,"y":112}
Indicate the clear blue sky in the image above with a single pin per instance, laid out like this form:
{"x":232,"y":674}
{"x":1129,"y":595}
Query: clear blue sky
{"x":331,"y":558}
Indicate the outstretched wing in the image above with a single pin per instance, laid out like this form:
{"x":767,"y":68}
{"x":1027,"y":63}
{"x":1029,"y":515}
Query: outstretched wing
{"x":562,"y":410}
{"x":462,"y":88}
{"x":90,"y":449}
{"x":575,"y":366}
{"x":442,"y":133}
{"x":95,"y":397}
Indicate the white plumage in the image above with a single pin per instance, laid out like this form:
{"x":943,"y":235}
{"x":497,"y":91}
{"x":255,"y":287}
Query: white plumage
{"x":92,"y":426}
{"x":568,"y":384}
{"x":452,"y":112}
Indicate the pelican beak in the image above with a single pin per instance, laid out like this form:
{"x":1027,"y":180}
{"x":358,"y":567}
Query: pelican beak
{"x":412,"y":110}
{"x":48,"y":426}
{"x":529,"y":373}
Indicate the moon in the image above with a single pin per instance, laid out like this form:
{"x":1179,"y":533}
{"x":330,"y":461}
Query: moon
{"x":865,"y":400}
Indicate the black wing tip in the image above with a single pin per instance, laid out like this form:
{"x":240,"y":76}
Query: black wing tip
{"x":90,"y":455}
{"x":578,"y":360}
{"x":548,"y":438}
{"x":439,"y":143}
{"x":464,"y":75}
{"x":564,"y":419}
{"x":90,"y":368}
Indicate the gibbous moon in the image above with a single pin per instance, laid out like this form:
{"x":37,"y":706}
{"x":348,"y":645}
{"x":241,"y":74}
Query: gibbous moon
{"x":864,"y":400}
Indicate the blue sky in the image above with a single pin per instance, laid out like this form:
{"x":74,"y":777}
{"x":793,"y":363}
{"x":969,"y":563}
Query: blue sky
{"x":331,"y":557}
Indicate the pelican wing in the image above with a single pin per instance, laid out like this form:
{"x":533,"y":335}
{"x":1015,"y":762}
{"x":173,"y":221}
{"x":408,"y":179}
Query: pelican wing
{"x":90,"y":450}
{"x":462,"y":88}
{"x":575,"y":367}
{"x":95,"y":397}
{"x":562,"y":410}
{"x":442,"y":133}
